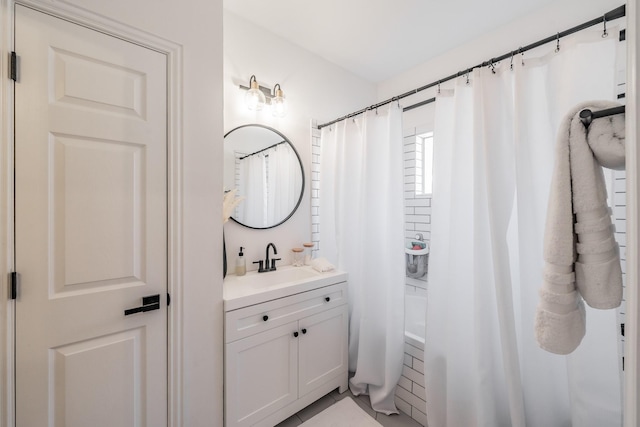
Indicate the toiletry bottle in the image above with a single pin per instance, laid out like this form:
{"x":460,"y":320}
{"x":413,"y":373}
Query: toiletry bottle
{"x":241,"y":264}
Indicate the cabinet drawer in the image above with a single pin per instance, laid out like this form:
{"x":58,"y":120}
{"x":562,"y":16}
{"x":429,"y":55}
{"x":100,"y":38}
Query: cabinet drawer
{"x":257,"y":318}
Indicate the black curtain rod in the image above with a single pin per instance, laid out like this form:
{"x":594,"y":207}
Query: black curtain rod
{"x":616,"y":13}
{"x":419,"y":104}
{"x":260,"y":151}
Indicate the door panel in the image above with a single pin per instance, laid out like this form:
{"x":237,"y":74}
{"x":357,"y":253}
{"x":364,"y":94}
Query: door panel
{"x":121,"y":91}
{"x":323,"y":348}
{"x":261,"y":374}
{"x":91,"y":227}
{"x":97,"y":187}
{"x":73,"y":366}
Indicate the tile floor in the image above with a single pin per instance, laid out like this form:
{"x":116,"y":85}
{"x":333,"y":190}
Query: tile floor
{"x":401,"y":420}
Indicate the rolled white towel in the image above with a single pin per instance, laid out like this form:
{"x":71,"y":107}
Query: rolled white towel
{"x":606,"y":138}
{"x":322,"y":265}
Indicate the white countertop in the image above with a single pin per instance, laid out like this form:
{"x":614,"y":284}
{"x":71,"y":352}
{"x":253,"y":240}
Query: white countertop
{"x":255,"y":288}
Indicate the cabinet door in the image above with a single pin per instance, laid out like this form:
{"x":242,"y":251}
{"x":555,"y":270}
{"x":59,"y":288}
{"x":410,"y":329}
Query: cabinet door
{"x":261,"y":374}
{"x":323,"y":348}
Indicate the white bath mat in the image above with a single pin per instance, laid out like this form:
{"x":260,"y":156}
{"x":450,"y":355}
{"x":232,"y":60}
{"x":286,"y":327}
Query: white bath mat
{"x":345,"y":413}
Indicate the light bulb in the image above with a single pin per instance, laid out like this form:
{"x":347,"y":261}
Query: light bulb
{"x":254,"y":98}
{"x":278,"y":104}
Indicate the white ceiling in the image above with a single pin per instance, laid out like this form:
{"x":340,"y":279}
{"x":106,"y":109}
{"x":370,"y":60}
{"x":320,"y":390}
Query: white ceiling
{"x":378,"y":39}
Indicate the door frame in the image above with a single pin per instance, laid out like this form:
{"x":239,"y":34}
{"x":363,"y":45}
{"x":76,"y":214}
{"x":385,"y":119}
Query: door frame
{"x":174,"y":54}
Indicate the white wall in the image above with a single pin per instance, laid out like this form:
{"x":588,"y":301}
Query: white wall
{"x":195,"y":26}
{"x":314,"y":88}
{"x":557,"y":16}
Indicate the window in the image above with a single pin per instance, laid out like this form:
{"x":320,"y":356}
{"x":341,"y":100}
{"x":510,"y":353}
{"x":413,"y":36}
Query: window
{"x":424,"y":164}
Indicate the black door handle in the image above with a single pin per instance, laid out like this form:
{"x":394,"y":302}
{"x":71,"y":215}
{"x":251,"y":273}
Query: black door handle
{"x":295,"y":334}
{"x":304,"y":331}
{"x":149,"y":303}
{"x":265,"y":317}
{"x":327,"y":299}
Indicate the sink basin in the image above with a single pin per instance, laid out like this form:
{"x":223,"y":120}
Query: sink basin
{"x":254,"y":287}
{"x":278,"y":277}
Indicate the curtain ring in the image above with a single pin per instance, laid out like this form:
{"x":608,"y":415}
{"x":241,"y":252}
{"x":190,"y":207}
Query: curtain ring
{"x":604,"y":22}
{"x":438,"y":87}
{"x":511,"y":63}
{"x":467,"y":77}
{"x":558,"y":43}
{"x":492,"y":65}
{"x":522,"y":53}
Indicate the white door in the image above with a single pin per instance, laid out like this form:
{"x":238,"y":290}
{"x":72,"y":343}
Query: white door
{"x":91,"y":227}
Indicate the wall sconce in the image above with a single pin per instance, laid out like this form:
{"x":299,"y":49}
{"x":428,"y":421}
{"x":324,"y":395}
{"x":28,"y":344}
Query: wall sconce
{"x":257,"y":96}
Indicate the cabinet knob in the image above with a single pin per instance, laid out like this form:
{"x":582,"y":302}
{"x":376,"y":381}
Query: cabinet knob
{"x":265,"y":317}
{"x":295,"y":334}
{"x":304,"y":331}
{"x":327,"y":299}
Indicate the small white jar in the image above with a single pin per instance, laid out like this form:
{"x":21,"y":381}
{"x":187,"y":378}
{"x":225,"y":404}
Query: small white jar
{"x":307,"y":252}
{"x":297,"y":257}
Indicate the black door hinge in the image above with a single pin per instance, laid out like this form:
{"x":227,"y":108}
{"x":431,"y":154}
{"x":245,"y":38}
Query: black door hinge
{"x":168,"y":299}
{"x":13,"y":70}
{"x":13,"y":285}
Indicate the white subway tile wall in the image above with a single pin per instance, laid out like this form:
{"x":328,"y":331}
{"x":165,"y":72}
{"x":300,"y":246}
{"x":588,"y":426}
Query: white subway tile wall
{"x":619,"y":198}
{"x":417,"y":210}
{"x":315,"y":187}
{"x":410,"y":393}
{"x":620,"y":221}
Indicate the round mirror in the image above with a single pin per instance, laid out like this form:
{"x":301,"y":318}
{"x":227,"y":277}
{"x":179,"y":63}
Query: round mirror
{"x":265,"y":168}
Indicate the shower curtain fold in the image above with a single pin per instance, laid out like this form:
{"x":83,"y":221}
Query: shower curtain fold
{"x":262,"y":176}
{"x":493,"y":159}
{"x":361,"y":231}
{"x":281,"y":180}
{"x":253,"y":188}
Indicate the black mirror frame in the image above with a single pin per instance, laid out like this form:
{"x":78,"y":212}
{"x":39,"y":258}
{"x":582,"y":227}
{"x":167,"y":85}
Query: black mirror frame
{"x":301,"y":171}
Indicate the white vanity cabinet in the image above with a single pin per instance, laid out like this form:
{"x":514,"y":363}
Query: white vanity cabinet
{"x":283,"y":354}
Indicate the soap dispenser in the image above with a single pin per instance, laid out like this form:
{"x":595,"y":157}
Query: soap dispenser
{"x":241,"y":264}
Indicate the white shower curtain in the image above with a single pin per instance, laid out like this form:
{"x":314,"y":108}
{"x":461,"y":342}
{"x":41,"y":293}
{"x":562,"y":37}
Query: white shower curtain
{"x":253,"y":188}
{"x":493,"y":156}
{"x":361,"y":231}
{"x":283,"y":170}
